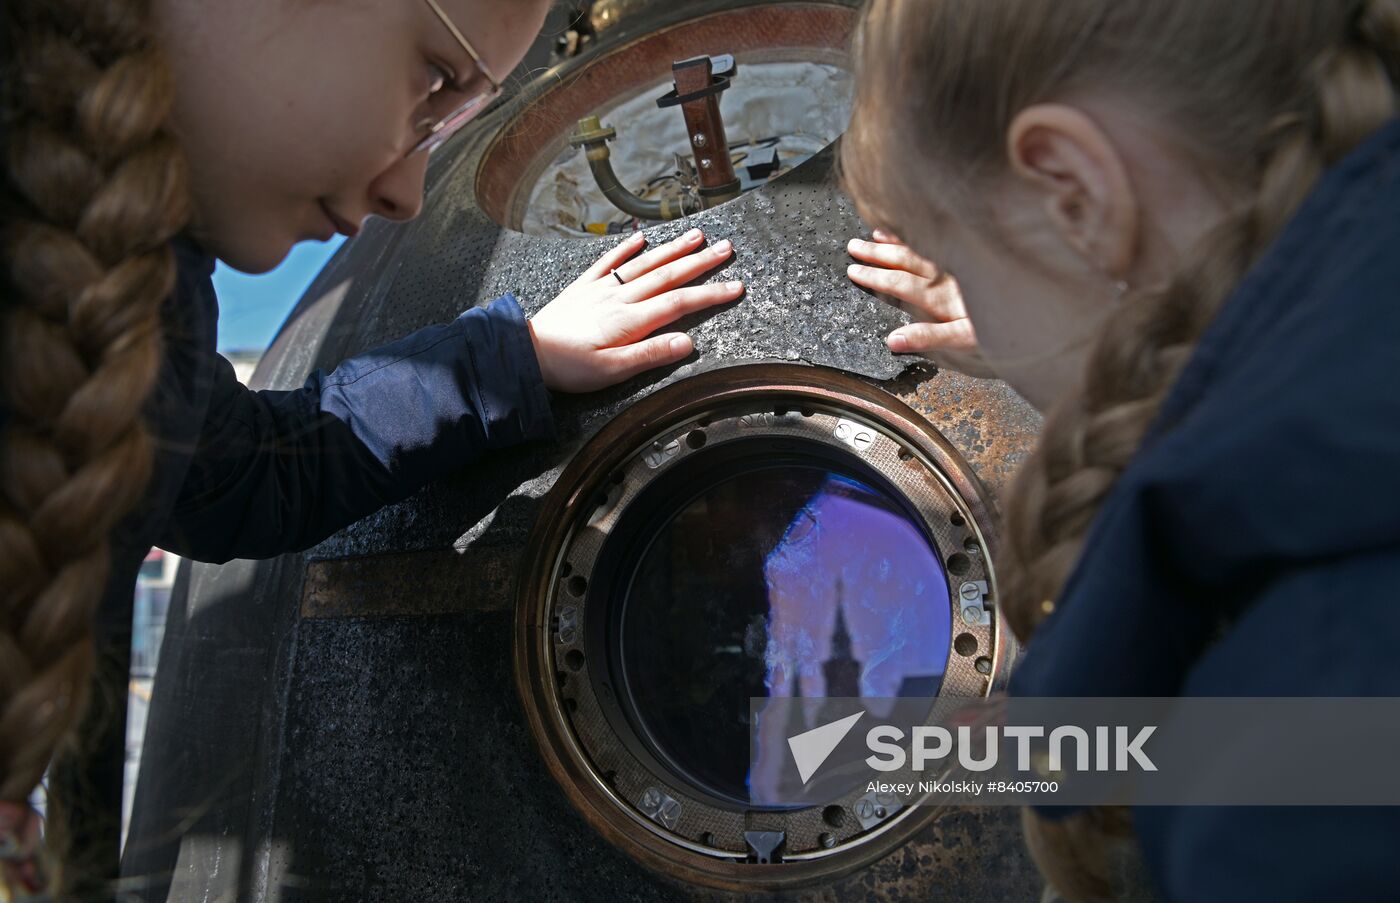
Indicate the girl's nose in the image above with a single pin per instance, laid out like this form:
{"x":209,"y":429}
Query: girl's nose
{"x":397,"y":194}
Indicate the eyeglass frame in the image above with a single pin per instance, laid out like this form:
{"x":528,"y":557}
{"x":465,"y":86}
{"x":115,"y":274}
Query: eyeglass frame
{"x":448,"y":126}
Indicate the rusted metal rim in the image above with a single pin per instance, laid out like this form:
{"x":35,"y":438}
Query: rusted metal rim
{"x":613,"y":790}
{"x":538,"y":132}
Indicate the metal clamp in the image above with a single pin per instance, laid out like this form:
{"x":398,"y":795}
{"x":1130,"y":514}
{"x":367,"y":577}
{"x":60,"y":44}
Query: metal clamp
{"x":975,"y":602}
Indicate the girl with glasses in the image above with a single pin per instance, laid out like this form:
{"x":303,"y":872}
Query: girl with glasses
{"x":144,"y":139}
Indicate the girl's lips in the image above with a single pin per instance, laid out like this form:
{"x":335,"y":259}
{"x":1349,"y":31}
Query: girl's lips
{"x":343,"y":226}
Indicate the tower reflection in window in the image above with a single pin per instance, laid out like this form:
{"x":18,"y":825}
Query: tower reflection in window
{"x":777,"y":582}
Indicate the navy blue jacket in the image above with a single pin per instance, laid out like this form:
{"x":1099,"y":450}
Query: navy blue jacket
{"x":244,"y":474}
{"x":1266,"y":499}
{"x":249,"y":474}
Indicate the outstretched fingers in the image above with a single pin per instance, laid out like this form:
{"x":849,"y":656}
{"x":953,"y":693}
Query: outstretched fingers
{"x":657,"y":351}
{"x":917,"y":338}
{"x":901,"y":284}
{"x":894,"y":256}
{"x":623,"y":251}
{"x":678,"y":272}
{"x":667,"y":308}
{"x":660,"y":256}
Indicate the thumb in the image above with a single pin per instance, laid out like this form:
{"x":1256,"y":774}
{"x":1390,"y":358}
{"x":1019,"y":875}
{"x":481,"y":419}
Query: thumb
{"x":657,"y":351}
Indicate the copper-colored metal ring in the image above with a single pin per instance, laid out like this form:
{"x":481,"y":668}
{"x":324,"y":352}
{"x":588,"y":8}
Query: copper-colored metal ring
{"x":557,"y":674}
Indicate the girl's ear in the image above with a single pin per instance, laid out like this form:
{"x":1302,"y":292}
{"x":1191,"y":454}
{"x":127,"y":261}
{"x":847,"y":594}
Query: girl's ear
{"x":1070,"y":162}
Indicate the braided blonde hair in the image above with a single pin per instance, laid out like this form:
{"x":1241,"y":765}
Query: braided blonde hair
{"x":1263,"y":94}
{"x":95,"y":188}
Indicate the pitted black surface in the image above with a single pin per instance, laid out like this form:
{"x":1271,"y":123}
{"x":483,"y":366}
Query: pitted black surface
{"x":431,"y":789}
{"x":434,"y":782}
{"x":790,"y":249}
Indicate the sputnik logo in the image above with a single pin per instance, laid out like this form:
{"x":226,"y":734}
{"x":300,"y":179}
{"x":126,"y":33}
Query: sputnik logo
{"x":811,"y":748}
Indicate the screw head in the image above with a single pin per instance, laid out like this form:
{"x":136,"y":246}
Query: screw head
{"x":969,"y":591}
{"x":971,"y":615}
{"x":699,"y":139}
{"x":660,"y":454}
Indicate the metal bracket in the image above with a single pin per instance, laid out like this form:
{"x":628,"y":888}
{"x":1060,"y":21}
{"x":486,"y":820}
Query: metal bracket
{"x":722,"y":69}
{"x":874,"y":808}
{"x":765,"y":847}
{"x":568,"y":624}
{"x":974,"y":600}
{"x":857,"y":435}
{"x":659,"y":806}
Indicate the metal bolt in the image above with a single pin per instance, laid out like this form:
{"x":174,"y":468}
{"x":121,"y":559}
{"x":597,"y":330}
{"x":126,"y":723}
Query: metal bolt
{"x":970,"y":591}
{"x":865,"y":809}
{"x":984,"y":665}
{"x":660,"y":454}
{"x":843,"y":431}
{"x":971,"y":615}
{"x":706,"y":163}
{"x":879,"y":811}
{"x":827,"y":840}
{"x":698,"y":139}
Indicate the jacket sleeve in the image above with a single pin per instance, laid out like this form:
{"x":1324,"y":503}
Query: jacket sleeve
{"x":279,"y":471}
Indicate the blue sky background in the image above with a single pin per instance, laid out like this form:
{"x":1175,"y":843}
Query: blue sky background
{"x":252,"y":308}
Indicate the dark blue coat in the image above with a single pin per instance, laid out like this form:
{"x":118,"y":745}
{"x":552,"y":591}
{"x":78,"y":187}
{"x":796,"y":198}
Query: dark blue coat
{"x":247,"y":474}
{"x":1267,"y":498}
{"x":244,"y":474}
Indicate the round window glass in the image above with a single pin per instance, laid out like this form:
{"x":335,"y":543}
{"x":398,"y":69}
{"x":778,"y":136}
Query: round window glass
{"x":778,"y":581}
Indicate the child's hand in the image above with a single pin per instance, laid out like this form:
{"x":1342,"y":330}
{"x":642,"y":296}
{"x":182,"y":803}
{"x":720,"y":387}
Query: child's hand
{"x":941,"y":328}
{"x":595,"y":333}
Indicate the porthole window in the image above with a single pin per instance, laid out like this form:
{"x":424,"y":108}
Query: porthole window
{"x":772,"y":531}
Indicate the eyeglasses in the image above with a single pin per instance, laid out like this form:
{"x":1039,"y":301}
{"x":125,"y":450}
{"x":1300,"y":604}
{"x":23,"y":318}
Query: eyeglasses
{"x":444,"y":126}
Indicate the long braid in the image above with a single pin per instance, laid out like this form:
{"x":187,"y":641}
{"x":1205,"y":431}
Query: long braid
{"x":95,"y":189}
{"x":1226,"y":82}
{"x":1144,"y":344}
{"x":1137,"y":357}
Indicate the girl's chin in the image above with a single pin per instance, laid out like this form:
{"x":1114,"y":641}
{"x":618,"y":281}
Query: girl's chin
{"x":252,"y":257}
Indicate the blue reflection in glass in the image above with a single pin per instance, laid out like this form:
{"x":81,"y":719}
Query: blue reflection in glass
{"x":776,"y":582}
